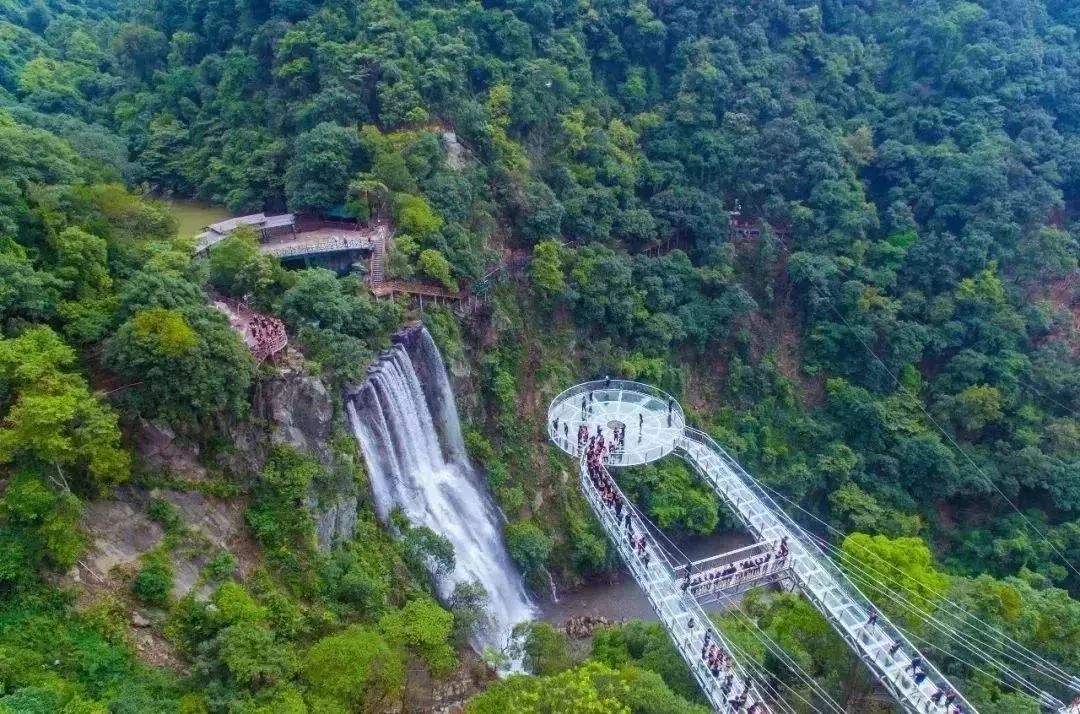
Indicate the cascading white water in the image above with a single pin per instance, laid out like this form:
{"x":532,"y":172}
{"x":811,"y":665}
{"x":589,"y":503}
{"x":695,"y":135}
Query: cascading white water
{"x":418,"y":464}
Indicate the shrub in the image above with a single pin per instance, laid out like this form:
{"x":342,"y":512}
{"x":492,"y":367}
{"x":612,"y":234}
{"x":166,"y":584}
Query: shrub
{"x":435,"y":265}
{"x":528,"y":545}
{"x":154,"y":581}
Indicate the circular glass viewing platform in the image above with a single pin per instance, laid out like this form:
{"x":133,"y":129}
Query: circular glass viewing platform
{"x":653,"y":419}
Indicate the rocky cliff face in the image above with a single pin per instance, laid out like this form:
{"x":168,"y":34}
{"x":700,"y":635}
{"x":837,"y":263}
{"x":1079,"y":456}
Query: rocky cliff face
{"x":298,"y":410}
{"x":289,"y":407}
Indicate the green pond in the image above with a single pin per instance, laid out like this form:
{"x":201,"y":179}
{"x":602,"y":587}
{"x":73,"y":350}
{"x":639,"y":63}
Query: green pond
{"x":193,"y":215}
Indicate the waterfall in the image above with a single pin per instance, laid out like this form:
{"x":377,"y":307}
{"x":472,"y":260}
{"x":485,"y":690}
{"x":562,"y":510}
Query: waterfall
{"x":405,"y":419}
{"x":551,"y":584}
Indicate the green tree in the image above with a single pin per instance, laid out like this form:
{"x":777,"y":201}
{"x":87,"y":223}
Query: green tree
{"x":253,"y":657}
{"x":356,"y":668}
{"x":44,"y":519}
{"x":468,"y":605}
{"x":369,"y":195}
{"x":547,"y":268}
{"x":862,"y":512}
{"x":544,"y":648}
{"x":435,"y":265}
{"x":320,"y":300}
{"x":278,"y":515}
{"x":648,"y":646}
{"x":25,"y":293}
{"x":51,"y":417}
{"x":424,"y":549}
{"x":140,"y":49}
{"x":82,"y":263}
{"x":238,"y":268}
{"x":979,"y":405}
{"x":154,"y":580}
{"x":424,"y":628}
{"x":186,"y":365}
{"x":895,"y":573}
{"x":591,"y":688}
{"x":672,"y":496}
{"x":528,"y":545}
{"x":415,"y":216}
{"x":318,"y":174}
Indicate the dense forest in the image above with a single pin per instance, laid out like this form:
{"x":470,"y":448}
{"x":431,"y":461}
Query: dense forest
{"x":888,"y":334}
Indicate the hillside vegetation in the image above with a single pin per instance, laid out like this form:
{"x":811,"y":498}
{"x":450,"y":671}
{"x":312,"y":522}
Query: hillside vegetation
{"x":893,"y":346}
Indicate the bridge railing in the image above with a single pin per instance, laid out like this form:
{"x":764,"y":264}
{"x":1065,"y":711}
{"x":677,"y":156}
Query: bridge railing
{"x":335,"y":244}
{"x":820,"y":579}
{"x":614,"y":385}
{"x":569,"y":445}
{"x":674,"y":608}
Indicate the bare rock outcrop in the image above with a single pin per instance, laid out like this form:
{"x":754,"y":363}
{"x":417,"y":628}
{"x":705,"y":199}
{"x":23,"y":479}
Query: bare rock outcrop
{"x":299,"y":410}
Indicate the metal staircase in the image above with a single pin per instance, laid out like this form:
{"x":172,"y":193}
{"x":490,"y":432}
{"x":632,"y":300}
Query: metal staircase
{"x":378,"y":259}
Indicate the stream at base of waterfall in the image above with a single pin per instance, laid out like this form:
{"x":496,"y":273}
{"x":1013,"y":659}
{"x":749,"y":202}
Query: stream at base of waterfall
{"x":619,"y":597}
{"x":406,"y":421}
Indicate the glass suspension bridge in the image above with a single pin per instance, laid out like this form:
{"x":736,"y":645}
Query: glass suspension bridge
{"x":784,"y":555}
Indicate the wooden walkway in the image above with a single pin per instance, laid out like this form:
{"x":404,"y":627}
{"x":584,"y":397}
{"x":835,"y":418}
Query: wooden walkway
{"x":467,"y":300}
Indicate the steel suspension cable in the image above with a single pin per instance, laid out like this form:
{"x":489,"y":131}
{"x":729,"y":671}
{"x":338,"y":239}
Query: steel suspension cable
{"x":959,"y":638}
{"x":789,"y":661}
{"x":644,"y":519}
{"x":1020,"y":652}
{"x":971,"y":642}
{"x":762,"y":676}
{"x":751,"y":482}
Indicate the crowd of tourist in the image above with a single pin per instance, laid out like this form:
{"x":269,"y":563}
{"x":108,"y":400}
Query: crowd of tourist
{"x":596,"y":448}
{"x":718,"y":663}
{"x":723,"y":576}
{"x":265,"y":336}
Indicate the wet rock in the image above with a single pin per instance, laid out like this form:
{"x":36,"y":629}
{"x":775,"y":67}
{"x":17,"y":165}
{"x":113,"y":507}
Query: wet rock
{"x":300,"y":411}
{"x":583,"y":626}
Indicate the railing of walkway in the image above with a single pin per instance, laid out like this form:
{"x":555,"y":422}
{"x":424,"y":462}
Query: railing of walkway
{"x":333,"y":244}
{"x":614,"y":385}
{"x":818,"y":577}
{"x":601,"y":388}
{"x":674,"y":608}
